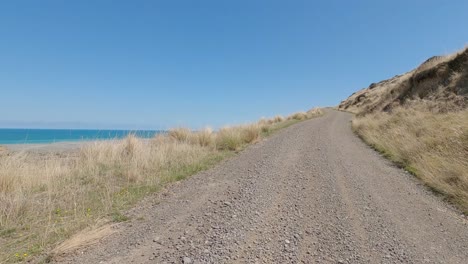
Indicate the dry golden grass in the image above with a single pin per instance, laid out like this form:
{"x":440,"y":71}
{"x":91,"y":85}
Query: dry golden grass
{"x":429,"y":144}
{"x":89,"y":236}
{"x":229,"y":138}
{"x":436,"y":60}
{"x":298,"y":116}
{"x":271,"y":121}
{"x":314,"y":112}
{"x":251,"y":133}
{"x":204,"y":138}
{"x":44,"y":200}
{"x":180,"y":134}
{"x":276,"y":119}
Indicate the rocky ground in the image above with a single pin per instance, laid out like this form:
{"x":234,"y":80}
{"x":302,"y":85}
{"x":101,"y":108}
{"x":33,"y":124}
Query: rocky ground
{"x":312,"y":193}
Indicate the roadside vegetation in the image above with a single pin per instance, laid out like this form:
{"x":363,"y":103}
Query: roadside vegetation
{"x":427,"y":140}
{"x":44,"y":200}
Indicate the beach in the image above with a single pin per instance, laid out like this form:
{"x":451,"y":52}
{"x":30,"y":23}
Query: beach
{"x":56,"y":147}
{"x":46,"y":147}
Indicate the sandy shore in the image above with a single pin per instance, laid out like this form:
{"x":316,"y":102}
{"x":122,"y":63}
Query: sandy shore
{"x":58,"y":147}
{"x":46,"y":147}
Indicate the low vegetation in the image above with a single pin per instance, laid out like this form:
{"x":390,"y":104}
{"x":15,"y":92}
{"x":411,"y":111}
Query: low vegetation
{"x":428,"y":141}
{"x":46,"y":199}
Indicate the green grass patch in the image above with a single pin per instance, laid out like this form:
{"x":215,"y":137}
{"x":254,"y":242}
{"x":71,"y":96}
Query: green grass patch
{"x":118,"y":217}
{"x":278,"y":126}
{"x":7,"y":232}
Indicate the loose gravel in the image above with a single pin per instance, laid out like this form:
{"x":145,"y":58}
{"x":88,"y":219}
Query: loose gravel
{"x":312,"y":193}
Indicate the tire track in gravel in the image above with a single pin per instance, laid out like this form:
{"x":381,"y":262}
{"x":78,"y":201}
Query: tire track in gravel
{"x":312,"y":193}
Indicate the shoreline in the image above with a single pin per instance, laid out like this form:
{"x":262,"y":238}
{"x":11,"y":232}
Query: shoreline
{"x":63,"y":146}
{"x":55,"y":147}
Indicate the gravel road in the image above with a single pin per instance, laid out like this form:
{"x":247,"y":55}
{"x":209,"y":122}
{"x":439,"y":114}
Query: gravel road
{"x":312,"y":193}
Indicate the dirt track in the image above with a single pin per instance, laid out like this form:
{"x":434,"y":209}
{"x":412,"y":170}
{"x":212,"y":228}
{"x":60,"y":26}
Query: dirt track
{"x":312,"y":193}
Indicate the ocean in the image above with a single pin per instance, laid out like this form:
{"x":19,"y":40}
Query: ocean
{"x":40,"y":136}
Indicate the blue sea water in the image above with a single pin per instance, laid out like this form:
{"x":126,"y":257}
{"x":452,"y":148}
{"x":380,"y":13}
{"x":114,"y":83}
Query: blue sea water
{"x":35,"y":136}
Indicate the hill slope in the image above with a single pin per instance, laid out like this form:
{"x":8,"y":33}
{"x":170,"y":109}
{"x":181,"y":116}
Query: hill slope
{"x":441,"y":79}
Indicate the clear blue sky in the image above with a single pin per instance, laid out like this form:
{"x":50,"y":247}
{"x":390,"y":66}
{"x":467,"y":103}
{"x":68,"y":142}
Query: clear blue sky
{"x":157,"y":64}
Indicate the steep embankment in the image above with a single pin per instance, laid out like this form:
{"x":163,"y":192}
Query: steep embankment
{"x":420,"y":121}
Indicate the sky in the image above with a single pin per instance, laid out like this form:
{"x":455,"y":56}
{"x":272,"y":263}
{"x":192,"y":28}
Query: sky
{"x":159,"y":64}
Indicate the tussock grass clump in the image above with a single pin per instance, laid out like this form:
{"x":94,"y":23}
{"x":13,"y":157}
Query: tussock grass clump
{"x":229,"y":138}
{"x":265,"y":122}
{"x":251,"y":133}
{"x":278,"y":119}
{"x":431,"y":145}
{"x":180,"y":134}
{"x":203,"y":137}
{"x":314,"y":112}
{"x":298,"y":116}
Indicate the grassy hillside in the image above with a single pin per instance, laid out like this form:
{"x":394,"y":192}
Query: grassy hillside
{"x":44,"y":200}
{"x":440,"y":79}
{"x":420,"y":121}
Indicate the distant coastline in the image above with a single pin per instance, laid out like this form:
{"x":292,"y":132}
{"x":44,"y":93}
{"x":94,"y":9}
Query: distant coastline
{"x":15,"y":136}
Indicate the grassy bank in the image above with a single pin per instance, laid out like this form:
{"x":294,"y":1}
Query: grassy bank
{"x":46,"y":199}
{"x":429,"y":143}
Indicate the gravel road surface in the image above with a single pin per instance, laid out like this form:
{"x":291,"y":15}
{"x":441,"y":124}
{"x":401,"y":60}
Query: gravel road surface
{"x":311,"y":193}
